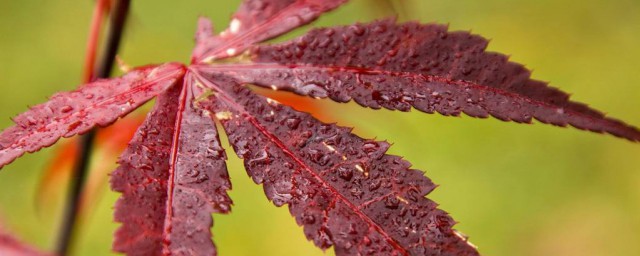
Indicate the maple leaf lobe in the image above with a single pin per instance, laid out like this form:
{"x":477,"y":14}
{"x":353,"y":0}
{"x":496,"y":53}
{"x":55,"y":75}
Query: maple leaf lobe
{"x":344,"y":190}
{"x":70,"y":113}
{"x":254,"y":22}
{"x":172,"y":177}
{"x":400,"y":66}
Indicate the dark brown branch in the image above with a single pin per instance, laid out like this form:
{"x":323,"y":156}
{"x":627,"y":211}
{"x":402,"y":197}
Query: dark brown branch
{"x":66,"y":235}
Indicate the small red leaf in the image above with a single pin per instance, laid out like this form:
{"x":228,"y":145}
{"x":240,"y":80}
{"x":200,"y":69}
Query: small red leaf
{"x":70,"y":113}
{"x":172,"y":176}
{"x":254,"y":22}
{"x":383,"y":64}
{"x":343,"y":189}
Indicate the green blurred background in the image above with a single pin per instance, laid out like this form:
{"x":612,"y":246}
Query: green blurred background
{"x":515,"y":189}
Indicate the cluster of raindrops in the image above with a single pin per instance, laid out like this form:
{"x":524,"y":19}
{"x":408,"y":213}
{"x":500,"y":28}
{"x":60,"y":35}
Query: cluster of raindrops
{"x":344,"y":190}
{"x":400,"y":66}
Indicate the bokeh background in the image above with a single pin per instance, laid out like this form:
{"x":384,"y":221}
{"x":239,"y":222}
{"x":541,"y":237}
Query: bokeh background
{"x":515,"y":189}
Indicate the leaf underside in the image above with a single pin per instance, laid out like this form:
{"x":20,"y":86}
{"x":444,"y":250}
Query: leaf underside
{"x":344,"y":190}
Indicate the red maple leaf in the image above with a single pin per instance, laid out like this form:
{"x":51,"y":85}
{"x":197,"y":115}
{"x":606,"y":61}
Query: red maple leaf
{"x":345,"y":190}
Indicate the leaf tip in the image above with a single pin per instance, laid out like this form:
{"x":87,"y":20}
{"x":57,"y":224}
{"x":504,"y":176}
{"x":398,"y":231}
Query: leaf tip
{"x":204,"y":29}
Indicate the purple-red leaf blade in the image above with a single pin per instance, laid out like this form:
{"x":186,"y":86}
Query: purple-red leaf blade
{"x":254,"y":22}
{"x":172,"y":177}
{"x":198,"y":180}
{"x":400,"y":66}
{"x":344,"y":190}
{"x":142,"y":179}
{"x":69,"y":113}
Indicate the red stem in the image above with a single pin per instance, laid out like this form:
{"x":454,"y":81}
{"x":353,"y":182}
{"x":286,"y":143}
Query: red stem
{"x":92,"y":42}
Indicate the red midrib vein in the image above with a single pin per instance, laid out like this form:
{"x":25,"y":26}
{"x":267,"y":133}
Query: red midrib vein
{"x":301,"y":163}
{"x":173,"y":159}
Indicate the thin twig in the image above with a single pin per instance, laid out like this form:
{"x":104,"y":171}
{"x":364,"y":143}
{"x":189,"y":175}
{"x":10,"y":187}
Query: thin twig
{"x":70,"y":216}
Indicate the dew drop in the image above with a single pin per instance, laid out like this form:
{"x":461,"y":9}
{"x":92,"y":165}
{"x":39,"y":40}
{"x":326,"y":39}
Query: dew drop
{"x":293,"y":123}
{"x":345,"y":173}
{"x":329,"y":32}
{"x":357,"y":192}
{"x":66,"y":109}
{"x":146,"y":167}
{"x":31,"y":120}
{"x":374,"y":185}
{"x":193,"y":173}
{"x":324,"y":42}
{"x":370,"y":147}
{"x":74,"y":125}
{"x":262,"y":158}
{"x":392,"y":52}
{"x":313,"y":90}
{"x":391,"y":202}
{"x":281,"y":199}
{"x":308,"y":219}
{"x":357,"y":30}
{"x":348,"y":245}
{"x":366,"y":241}
{"x":234,"y":26}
